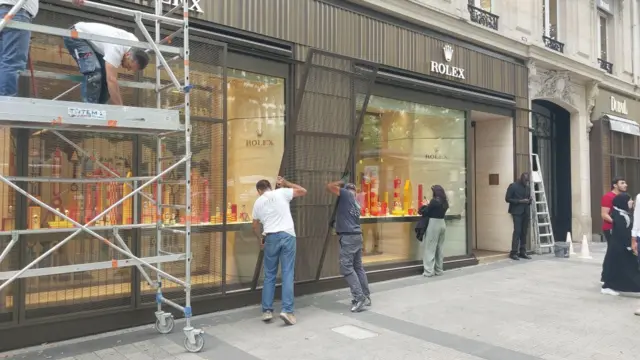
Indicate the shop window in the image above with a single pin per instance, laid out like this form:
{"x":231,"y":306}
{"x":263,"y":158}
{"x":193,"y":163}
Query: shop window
{"x":255,"y":138}
{"x":405,"y":148}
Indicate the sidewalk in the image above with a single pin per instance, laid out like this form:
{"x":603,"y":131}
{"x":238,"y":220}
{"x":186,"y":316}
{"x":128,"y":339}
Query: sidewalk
{"x":545,"y":308}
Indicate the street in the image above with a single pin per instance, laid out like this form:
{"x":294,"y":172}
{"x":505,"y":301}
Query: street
{"x":545,"y":308}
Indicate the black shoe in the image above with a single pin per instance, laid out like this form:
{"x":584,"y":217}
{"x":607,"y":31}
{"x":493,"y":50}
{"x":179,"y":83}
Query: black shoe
{"x":524,"y":256}
{"x":513,"y":257}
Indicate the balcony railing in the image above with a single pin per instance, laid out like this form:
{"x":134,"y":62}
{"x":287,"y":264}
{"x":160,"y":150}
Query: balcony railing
{"x":553,"y":44}
{"x":483,"y":18}
{"x":605,"y":65}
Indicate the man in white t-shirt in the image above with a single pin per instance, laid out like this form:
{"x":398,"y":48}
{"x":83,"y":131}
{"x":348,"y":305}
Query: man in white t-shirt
{"x":99,"y":61}
{"x":278,"y":238}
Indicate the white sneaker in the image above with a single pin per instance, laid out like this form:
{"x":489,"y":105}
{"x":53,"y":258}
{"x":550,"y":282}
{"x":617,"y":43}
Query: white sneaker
{"x":609,"y":292}
{"x":288,"y":318}
{"x":267,"y":316}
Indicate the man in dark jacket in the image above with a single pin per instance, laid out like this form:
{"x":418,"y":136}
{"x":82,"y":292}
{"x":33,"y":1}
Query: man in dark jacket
{"x":519,"y":198}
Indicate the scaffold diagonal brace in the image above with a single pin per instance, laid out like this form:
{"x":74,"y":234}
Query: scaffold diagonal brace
{"x":88,"y":230}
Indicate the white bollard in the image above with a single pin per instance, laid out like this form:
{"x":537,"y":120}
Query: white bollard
{"x":584,"y":251}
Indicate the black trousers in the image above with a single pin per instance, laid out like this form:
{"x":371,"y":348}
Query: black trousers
{"x":520,"y":231}
{"x":607,"y":257}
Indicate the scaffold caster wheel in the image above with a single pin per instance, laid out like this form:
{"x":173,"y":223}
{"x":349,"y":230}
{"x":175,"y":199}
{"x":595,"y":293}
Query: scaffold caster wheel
{"x":194,"y":348}
{"x":168,"y":325}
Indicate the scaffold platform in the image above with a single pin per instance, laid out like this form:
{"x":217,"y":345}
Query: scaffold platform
{"x":67,"y":115}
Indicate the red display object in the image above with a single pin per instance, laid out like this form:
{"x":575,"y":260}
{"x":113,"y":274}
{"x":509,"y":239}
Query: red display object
{"x":419,"y":195}
{"x":383,"y":208}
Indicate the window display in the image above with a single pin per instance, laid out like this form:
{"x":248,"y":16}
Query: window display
{"x":403,"y":150}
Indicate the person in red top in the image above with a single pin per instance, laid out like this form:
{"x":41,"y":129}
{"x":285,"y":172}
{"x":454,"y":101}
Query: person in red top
{"x":618,"y":185}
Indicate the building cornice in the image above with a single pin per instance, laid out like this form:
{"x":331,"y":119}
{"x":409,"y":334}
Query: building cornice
{"x":460,"y":25}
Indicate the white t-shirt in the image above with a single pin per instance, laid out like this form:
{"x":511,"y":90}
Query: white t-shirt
{"x":30,"y":5}
{"x":273,"y":211}
{"x":112,"y":53}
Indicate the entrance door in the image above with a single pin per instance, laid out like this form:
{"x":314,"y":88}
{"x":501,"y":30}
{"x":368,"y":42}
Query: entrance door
{"x":552,"y":143}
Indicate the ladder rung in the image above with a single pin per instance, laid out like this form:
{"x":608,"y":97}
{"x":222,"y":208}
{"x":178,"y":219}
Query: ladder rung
{"x":543,"y":213}
{"x":172,"y":206}
{"x":539,"y":192}
{"x":173,"y":157}
{"x":545,"y":235}
{"x":543,"y":224}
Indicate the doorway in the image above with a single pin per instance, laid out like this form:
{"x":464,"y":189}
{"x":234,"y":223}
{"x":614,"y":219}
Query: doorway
{"x":552,"y":142}
{"x":491,"y":168}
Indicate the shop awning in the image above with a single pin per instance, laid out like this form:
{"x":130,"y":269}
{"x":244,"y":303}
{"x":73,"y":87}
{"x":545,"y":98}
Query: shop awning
{"x":623,"y":125}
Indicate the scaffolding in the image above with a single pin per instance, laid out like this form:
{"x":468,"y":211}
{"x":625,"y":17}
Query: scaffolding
{"x":56,"y":117}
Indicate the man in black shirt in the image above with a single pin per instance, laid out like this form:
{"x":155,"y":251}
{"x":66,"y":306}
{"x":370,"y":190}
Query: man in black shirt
{"x":519,"y":198}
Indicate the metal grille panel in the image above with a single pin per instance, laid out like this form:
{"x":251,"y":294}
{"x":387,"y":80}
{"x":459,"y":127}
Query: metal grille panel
{"x":332,"y":90}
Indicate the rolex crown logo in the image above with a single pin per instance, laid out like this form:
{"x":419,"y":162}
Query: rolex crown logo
{"x":448,"y":52}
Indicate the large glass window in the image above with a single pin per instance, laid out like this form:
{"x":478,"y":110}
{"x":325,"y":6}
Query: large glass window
{"x":255,"y":138}
{"x":403,"y":150}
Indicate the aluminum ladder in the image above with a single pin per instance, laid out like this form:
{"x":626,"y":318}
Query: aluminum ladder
{"x":541,"y":214}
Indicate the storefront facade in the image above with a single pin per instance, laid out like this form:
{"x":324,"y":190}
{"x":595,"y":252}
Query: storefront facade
{"x":615,"y":147}
{"x":260,"y":110}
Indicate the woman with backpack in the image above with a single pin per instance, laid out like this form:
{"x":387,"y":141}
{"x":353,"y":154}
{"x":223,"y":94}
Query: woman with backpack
{"x":434,"y":234}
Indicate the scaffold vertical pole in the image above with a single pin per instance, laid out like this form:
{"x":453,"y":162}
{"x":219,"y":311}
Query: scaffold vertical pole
{"x":194,"y":337}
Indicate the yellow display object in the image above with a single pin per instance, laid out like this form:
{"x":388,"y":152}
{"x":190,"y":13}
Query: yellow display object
{"x":127,"y":205}
{"x":407,"y":197}
{"x":217,"y":218}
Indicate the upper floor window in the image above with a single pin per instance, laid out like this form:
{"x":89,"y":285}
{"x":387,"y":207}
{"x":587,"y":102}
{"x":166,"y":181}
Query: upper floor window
{"x":550,"y":18}
{"x":482,"y":4}
{"x":603,"y":35}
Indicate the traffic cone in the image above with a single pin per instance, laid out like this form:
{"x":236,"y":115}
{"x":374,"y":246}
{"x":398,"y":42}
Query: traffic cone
{"x":584,"y":251}
{"x":571,"y":251}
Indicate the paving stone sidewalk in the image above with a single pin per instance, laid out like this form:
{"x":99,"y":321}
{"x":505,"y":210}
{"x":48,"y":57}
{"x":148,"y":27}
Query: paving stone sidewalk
{"x":546,"y":308}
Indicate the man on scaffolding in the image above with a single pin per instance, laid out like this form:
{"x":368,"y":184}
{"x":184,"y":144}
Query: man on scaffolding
{"x":99,"y":61}
{"x":14,"y":44}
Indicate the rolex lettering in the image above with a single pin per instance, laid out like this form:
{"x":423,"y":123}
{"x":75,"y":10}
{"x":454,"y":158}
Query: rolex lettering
{"x":446,"y":69}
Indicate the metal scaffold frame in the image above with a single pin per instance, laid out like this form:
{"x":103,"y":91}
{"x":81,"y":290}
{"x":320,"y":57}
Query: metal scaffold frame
{"x":93,"y":117}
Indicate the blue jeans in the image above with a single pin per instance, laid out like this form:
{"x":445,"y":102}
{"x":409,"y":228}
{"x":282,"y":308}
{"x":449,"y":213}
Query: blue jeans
{"x":14,"y":51}
{"x":94,"y":88}
{"x":279,"y":247}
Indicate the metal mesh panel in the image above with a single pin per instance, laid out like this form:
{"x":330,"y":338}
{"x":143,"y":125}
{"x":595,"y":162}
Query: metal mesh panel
{"x":80,"y":291}
{"x":207,"y":76}
{"x":88,"y":157}
{"x":8,"y":296}
{"x":207,"y":186}
{"x":331,"y":91}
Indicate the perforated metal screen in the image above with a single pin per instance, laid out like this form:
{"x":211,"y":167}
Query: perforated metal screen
{"x":332,"y":91}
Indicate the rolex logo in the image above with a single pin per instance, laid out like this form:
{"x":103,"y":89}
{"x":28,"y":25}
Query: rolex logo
{"x":448,"y":52}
